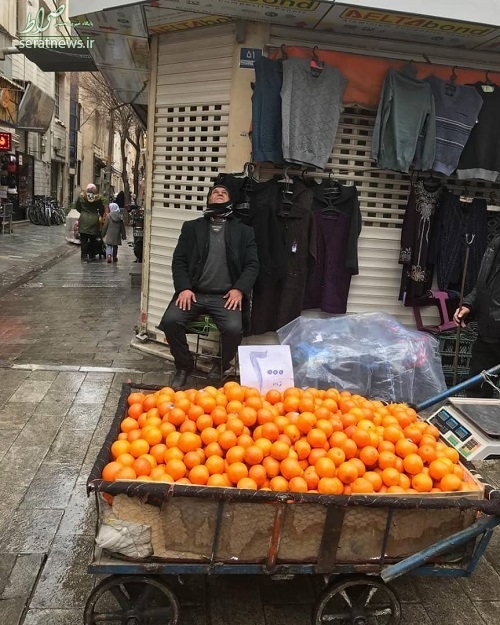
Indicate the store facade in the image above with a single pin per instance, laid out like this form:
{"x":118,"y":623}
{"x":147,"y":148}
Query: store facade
{"x":199,"y":102}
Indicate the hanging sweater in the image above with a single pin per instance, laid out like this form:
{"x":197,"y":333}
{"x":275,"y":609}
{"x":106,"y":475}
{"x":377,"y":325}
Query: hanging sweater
{"x":266,"y":111}
{"x":481,"y":156}
{"x":456,"y":115}
{"x":311,"y":108}
{"x":406,"y":110}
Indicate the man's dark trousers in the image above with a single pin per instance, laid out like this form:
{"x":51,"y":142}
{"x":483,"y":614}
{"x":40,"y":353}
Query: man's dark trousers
{"x":484,"y":356}
{"x":174,"y":321}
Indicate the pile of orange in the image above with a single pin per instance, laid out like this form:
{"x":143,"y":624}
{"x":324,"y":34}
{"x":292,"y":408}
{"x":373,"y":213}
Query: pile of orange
{"x":303,"y":441}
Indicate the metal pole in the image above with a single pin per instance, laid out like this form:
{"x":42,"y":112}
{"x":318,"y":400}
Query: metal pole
{"x":110,"y":152}
{"x":469,"y":239}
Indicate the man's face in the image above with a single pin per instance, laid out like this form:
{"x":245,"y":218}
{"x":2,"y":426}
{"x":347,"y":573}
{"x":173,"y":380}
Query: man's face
{"x":218,"y":196}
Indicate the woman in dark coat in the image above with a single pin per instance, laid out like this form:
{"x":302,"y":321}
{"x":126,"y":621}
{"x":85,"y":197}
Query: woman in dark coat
{"x":91,"y":209}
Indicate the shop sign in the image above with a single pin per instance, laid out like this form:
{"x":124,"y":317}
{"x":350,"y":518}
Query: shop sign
{"x":248,"y":56}
{"x":5,"y":141}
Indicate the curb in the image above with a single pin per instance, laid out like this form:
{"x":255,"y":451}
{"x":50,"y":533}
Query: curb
{"x":59,"y":254}
{"x":152,"y":348}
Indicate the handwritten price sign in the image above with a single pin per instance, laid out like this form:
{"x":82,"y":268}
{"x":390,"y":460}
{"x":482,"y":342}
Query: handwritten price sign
{"x":266,"y":367}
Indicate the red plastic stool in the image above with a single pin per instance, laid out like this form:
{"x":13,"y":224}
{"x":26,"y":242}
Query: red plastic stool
{"x":433,"y":298}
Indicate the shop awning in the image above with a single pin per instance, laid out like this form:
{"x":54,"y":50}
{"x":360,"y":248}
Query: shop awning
{"x":120,"y":29}
{"x":61,"y":60}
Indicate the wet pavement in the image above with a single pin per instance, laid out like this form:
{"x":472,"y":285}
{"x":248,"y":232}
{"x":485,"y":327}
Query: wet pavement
{"x":65,"y":351}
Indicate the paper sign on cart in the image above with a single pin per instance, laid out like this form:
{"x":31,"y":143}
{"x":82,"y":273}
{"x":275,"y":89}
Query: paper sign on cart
{"x":266,"y":367}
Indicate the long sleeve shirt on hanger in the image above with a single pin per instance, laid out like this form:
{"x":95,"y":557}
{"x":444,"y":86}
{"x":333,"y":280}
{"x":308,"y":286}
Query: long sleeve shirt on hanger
{"x":481,"y":156}
{"x":457,"y":109}
{"x":338,"y":225}
{"x":311,"y":108}
{"x":266,"y":111}
{"x":406,"y":111}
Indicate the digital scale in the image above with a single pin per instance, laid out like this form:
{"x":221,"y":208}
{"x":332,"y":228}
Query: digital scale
{"x":471,"y":426}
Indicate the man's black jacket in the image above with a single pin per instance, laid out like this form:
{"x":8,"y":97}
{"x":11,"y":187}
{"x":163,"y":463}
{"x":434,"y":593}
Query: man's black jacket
{"x":191,"y":253}
{"x":484,"y":299}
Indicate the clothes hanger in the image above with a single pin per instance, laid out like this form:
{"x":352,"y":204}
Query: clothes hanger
{"x":465,"y":197}
{"x":287,"y":193}
{"x":409,"y":69}
{"x":330,"y":193}
{"x":488,"y":86}
{"x":450,"y":87}
{"x":316,"y":66}
{"x":284,"y":54}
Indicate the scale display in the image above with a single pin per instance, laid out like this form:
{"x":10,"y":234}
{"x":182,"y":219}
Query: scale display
{"x":471,"y":426}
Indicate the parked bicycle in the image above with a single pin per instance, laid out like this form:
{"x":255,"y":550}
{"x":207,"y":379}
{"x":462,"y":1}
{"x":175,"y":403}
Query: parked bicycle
{"x":45,"y":211}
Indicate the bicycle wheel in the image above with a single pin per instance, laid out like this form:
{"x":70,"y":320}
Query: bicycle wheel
{"x":32,"y":214}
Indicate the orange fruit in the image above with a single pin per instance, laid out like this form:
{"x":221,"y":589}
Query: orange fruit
{"x":306,"y":421}
{"x":172,"y":439}
{"x":150,"y":459}
{"x":194,"y":412}
{"x":315,"y":455}
{"x":264,"y":415}
{"x":413,"y":433}
{"x":422,"y":483}
{"x":450,"y":482}
{"x":360,"y":466}
{"x":347,"y":472}
{"x":298,"y":485}
{"x":119,"y":447}
{"x":279,"y":450}
{"x":330,"y":486}
{"x":215,"y":464}
{"x":141,"y":466}
{"x":290,"y":468}
{"x":152,"y":435}
{"x":203,"y":422}
{"x":427,"y":453}
{"x":135,"y":398}
{"x":270,"y":431}
{"x":128,"y":424}
{"x":199,"y":474}
{"x":209,"y":435}
{"x":278,"y":484}
{"x":325,"y":467}
{"x":176,"y":416}
{"x":386,"y":446}
{"x":438,"y":469}
{"x":369,"y":456}
{"x":253,"y":455}
{"x":234,"y":424}
{"x":273,"y":397}
{"x":134,"y":435}
{"x":396,"y":490}
{"x":316,"y":438}
{"x":247,"y":483}
{"x":452,"y":454}
{"x":413,"y":464}
{"x":214,"y":449}
{"x":337,"y":455}
{"x":192,"y":459}
{"x":126,"y":473}
{"x":235,"y":454}
{"x":134,"y":411}
{"x":236,"y":471}
{"x":390,"y":476}
{"x":361,"y":437}
{"x":302,"y":448}
{"x":272,"y":466}
{"x":258,"y":474}
{"x":265,"y":444}
{"x":227,"y":439}
{"x":139,"y":447}
{"x":189,"y":442}
{"x":176,"y":468}
{"x":218,"y":480}
{"x":362,"y":485}
{"x":386,"y":459}
{"x":111,"y":470}
{"x":126,"y":460}
{"x":374,"y":478}
{"x":166,"y":428}
{"x":404,"y":447}
{"x":188,"y":426}
{"x":349,"y":448}
{"x":392,"y":433}
{"x":171,"y":453}
{"x":219,"y":415}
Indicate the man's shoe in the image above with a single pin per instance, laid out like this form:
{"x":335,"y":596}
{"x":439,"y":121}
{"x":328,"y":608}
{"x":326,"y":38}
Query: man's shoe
{"x":215,"y":373}
{"x":180,"y":378}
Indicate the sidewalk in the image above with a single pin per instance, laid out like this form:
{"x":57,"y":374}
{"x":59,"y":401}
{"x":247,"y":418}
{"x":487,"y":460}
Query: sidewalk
{"x":64,"y":353}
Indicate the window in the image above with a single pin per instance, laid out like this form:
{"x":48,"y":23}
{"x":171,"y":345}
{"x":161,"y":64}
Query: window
{"x":57,"y":94}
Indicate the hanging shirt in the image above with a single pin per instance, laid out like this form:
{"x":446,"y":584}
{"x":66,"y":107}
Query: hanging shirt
{"x":481,"y":156}
{"x":406,"y":111}
{"x":311,"y":108}
{"x":338,"y":225}
{"x":457,"y":109}
{"x":418,"y":223}
{"x":266,"y":111}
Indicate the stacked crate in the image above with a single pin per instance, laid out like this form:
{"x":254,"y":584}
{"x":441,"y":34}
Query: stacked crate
{"x":447,"y":345}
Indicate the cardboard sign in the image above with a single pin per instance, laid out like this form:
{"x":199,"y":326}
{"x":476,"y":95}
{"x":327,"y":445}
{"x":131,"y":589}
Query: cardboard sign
{"x":266,"y":367}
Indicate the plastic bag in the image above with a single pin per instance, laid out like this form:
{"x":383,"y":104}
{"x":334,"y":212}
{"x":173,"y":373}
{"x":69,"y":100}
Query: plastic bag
{"x":129,"y":539}
{"x":371,"y":354}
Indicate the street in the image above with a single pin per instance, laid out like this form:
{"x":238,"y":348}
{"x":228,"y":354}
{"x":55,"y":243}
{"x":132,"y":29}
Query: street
{"x":65,"y":332}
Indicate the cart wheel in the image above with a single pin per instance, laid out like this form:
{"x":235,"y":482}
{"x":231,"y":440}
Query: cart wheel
{"x":359,"y":600}
{"x":132,"y":600}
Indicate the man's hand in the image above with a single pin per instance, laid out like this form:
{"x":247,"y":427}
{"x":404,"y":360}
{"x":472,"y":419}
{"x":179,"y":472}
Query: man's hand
{"x":459,"y":315}
{"x":233,"y":298}
{"x":184,"y":299}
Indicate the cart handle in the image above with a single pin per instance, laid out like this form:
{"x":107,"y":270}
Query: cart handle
{"x":450,"y":391}
{"x":481,"y":526}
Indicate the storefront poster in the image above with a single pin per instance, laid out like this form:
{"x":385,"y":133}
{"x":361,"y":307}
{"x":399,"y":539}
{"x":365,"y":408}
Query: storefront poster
{"x":35,"y":110}
{"x":9,"y":102}
{"x":407,"y":27}
{"x":295,"y":13}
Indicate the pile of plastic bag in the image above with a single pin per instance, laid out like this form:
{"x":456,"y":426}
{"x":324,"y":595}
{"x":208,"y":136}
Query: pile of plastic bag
{"x":371,"y":354}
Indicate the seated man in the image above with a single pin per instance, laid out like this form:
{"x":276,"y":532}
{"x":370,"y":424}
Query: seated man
{"x":214,"y":267}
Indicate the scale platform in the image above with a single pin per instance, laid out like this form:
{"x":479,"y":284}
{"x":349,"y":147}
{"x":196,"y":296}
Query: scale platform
{"x":471,"y":426}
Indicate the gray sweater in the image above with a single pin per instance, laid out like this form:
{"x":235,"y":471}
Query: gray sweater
{"x":311,"y":108}
{"x":406,"y":111}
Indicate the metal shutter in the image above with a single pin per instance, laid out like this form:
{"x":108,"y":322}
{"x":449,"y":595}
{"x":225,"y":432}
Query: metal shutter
{"x":189,"y":149}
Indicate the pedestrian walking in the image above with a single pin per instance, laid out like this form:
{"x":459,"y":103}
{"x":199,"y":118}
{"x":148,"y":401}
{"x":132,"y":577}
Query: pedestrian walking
{"x":91,"y":209}
{"x":113,"y":232}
